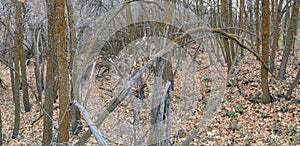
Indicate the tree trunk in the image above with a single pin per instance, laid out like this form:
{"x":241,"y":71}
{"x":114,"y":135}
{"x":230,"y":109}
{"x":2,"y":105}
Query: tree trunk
{"x":265,"y":50}
{"x":75,"y":113}
{"x":242,"y":23}
{"x":286,"y":21}
{"x":257,"y":26}
{"x":289,"y":40}
{"x":35,"y":39}
{"x":10,"y":62}
{"x":251,"y":21}
{"x":52,"y":67}
{"x":22,"y":59}
{"x":293,"y":86}
{"x":230,"y":24}
{"x":16,"y":77}
{"x":225,"y":40}
{"x":63,"y":92}
{"x":276,"y":23}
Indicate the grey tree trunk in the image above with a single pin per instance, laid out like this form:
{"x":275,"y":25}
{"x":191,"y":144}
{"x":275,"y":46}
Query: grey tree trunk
{"x":16,"y":78}
{"x":293,"y":86}
{"x":289,"y":40}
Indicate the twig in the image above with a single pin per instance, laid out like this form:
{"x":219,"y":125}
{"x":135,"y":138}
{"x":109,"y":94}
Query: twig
{"x":33,"y":122}
{"x":8,"y":48}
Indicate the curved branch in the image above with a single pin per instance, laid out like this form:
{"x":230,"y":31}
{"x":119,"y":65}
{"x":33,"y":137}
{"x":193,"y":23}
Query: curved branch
{"x":221,"y":31}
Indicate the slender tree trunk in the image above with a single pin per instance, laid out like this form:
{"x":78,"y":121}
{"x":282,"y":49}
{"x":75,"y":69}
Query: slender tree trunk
{"x":75,"y":113}
{"x":257,"y":25}
{"x":245,"y":22}
{"x":16,"y":78}
{"x":10,"y":62}
{"x":276,"y":23}
{"x":22,"y":60}
{"x":289,"y":41}
{"x":11,"y":56}
{"x":37,"y":37}
{"x":51,"y":73}
{"x":225,"y":40}
{"x":293,"y":86}
{"x":266,"y":98}
{"x":242,"y":23}
{"x":251,"y":21}
{"x":293,"y":42}
{"x":43,"y":59}
{"x":286,"y":22}
{"x":63,"y":92}
{"x":230,"y":24}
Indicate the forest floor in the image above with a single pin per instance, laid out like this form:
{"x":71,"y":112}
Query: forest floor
{"x":240,"y":119}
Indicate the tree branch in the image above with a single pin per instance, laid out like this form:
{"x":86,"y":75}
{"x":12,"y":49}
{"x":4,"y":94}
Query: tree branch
{"x":91,"y":124}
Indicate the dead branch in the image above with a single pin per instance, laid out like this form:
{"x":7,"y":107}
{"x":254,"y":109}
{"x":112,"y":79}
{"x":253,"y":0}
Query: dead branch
{"x":8,"y":48}
{"x":93,"y":128}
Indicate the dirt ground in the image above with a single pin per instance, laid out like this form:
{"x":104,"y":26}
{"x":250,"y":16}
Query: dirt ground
{"x":239,"y":120}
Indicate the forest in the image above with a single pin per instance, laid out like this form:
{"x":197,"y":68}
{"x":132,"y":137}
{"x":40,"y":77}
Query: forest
{"x":149,"y":72}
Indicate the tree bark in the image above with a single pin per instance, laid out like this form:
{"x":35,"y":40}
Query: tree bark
{"x":257,"y":26}
{"x":276,"y":23}
{"x":63,"y":92}
{"x":286,"y":21}
{"x":75,"y":113}
{"x":224,"y":14}
{"x":16,"y":78}
{"x":22,"y":58}
{"x":36,"y":38}
{"x":265,"y":50}
{"x":230,"y":24}
{"x":242,"y":23}
{"x":293,"y":86}
{"x":51,"y":74}
{"x":289,"y":40}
